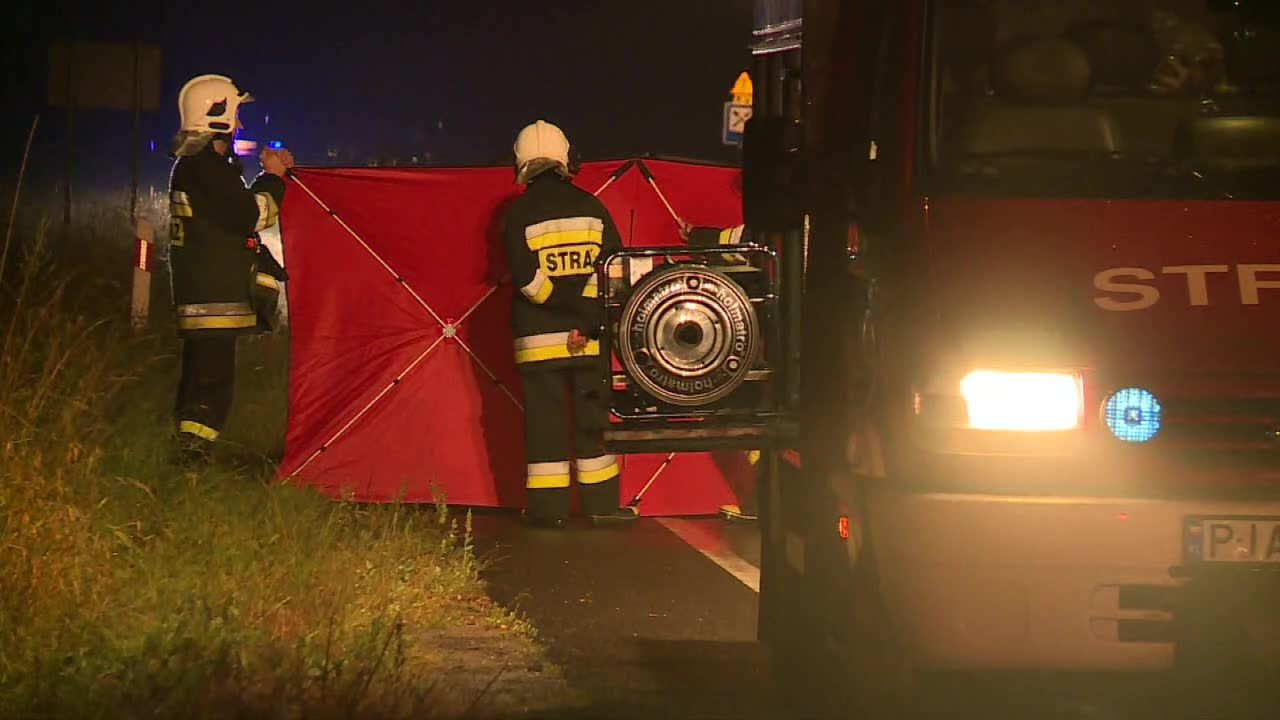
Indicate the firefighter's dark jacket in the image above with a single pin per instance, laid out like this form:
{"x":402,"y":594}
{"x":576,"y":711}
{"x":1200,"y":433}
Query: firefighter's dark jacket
{"x":553,"y":235}
{"x":219,"y":275}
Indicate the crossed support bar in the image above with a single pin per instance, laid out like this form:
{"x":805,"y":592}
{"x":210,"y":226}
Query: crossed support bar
{"x":449,"y":331}
{"x":648,"y":178}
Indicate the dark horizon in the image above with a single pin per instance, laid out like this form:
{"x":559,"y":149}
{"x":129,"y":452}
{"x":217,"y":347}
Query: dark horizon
{"x":398,"y":79}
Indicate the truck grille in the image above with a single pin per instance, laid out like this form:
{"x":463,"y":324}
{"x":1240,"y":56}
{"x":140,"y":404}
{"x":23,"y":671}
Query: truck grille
{"x":1248,"y":427}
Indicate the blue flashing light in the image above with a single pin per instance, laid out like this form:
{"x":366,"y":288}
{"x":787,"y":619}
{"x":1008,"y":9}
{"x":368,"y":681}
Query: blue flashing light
{"x":275,"y":144}
{"x":1133,"y":415}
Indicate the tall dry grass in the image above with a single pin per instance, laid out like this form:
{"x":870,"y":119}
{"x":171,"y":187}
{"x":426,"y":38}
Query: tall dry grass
{"x":134,"y":588}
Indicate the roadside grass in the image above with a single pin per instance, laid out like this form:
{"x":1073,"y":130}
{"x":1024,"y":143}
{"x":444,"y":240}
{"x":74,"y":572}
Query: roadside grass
{"x":133,"y":588}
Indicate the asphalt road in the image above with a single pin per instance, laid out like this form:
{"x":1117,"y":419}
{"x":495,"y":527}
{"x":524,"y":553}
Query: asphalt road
{"x":641,"y":622}
{"x":647,"y":626}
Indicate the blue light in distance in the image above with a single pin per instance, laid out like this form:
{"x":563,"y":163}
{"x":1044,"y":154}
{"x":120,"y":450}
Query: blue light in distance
{"x":275,"y":144}
{"x":1133,"y":415}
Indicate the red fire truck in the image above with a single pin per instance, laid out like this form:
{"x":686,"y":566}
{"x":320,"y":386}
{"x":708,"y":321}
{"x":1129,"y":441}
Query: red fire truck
{"x":1040,"y":387}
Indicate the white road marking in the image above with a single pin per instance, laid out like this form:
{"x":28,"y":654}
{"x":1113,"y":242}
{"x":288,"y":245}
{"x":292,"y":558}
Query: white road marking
{"x":701,"y":537}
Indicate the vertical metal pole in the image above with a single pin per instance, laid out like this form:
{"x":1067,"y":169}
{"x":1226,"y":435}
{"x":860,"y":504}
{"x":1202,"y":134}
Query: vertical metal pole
{"x":785,"y":104}
{"x":137,"y":131}
{"x":71,"y":114}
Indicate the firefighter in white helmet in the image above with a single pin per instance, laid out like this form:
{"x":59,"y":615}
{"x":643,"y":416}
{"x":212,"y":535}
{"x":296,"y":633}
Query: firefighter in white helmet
{"x":553,"y":235}
{"x":223,"y":280}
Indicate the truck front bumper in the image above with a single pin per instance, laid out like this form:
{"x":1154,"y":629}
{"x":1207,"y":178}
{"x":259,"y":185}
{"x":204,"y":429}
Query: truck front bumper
{"x":1009,"y":582}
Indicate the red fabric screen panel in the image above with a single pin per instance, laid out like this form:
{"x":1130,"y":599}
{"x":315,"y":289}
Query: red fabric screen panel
{"x":446,"y":426}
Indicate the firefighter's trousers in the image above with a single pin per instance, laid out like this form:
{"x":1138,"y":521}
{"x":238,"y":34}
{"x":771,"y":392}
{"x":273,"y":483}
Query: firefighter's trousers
{"x":565,"y":417}
{"x":207,"y":385}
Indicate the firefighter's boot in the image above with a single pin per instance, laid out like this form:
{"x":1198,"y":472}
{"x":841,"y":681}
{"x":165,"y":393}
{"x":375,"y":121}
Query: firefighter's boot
{"x":192,"y":451}
{"x":537,"y":521}
{"x":621,"y":516}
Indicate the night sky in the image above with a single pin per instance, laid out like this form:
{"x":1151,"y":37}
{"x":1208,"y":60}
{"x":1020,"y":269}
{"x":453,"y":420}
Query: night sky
{"x":455,"y":79}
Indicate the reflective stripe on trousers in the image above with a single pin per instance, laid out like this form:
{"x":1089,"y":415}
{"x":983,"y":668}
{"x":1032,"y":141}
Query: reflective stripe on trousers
{"x":546,"y":475}
{"x":566,"y":412}
{"x":590,"y":471}
{"x":206,"y":386}
{"x":216,"y":316}
{"x":204,"y":432}
{"x":597,"y":469}
{"x":551,"y":346}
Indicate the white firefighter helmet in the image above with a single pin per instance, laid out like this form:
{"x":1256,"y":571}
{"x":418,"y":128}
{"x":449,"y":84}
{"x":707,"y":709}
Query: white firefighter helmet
{"x":209,"y":103}
{"x":540,"y":146}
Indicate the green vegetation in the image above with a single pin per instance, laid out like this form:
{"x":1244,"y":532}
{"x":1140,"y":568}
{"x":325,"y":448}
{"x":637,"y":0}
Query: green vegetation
{"x":132,"y":587}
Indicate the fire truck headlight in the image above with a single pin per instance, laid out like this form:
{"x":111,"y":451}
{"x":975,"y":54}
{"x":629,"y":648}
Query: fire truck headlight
{"x":1023,"y":401}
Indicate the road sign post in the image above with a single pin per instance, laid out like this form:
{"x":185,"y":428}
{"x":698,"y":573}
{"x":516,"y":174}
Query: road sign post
{"x":737,"y":111}
{"x":735,"y":122}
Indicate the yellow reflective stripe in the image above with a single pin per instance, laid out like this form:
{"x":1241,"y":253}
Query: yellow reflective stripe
{"x":180,"y":204}
{"x":555,"y":352}
{"x":268,"y":211}
{"x":539,"y":288}
{"x":592,"y":288}
{"x":581,"y":222}
{"x":547,"y":482}
{"x":217,"y":322}
{"x":267,"y":281}
{"x":595,"y":463}
{"x":542,"y":340}
{"x":593,"y":470}
{"x":191,"y":427}
{"x":595,"y":477}
{"x":564,"y":231}
{"x":543,"y":293}
{"x":213,"y":308}
{"x":566,"y":237}
{"x":555,"y":467}
{"x":542,"y":476}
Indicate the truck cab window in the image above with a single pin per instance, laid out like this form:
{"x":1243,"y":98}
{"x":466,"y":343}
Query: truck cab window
{"x":1158,"y":98}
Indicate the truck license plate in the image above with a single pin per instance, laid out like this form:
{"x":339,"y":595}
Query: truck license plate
{"x":1232,"y":539}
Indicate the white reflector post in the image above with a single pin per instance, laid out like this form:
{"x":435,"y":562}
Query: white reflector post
{"x":1022,"y":401}
{"x":142,"y":258}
